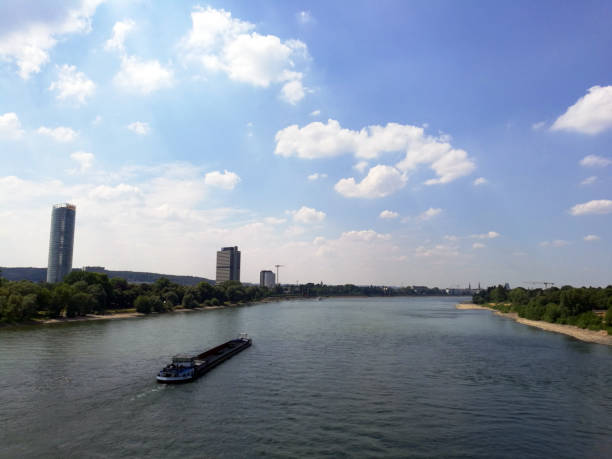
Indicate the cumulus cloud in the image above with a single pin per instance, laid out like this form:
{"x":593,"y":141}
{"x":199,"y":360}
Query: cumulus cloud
{"x":307,"y":215}
{"x":489,"y":235}
{"x":361,"y":166}
{"x":28,"y":40}
{"x":591,"y":114}
{"x":478,"y":245}
{"x":325,"y":140}
{"x":145,"y":77}
{"x":555,"y":243}
{"x":60,"y":133}
{"x":316,"y":176}
{"x":388,"y":215}
{"x":139,"y":127}
{"x":480,"y":181}
{"x":591,"y":238}
{"x":595,"y":161}
{"x":589,"y":180}
{"x":85,"y":161}
{"x":597,"y":206}
{"x":226,"y":180}
{"x":381,"y":181}
{"x":10,"y":127}
{"x":315,"y":113}
{"x":120,"y":31}
{"x":121,"y":191}
{"x":429,"y":214}
{"x":72,"y":85}
{"x":364,"y":236}
{"x":219,"y":42}
{"x":440,"y":251}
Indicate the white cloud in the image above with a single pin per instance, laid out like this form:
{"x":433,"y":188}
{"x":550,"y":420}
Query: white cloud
{"x":589,"y":180}
{"x":275,"y":220}
{"x":121,"y":191}
{"x":320,"y":140}
{"x":555,"y":243}
{"x":136,"y":75}
{"x":595,"y":161}
{"x":85,"y":161}
{"x":307,"y":215}
{"x":489,"y":235}
{"x":438,"y":251}
{"x":361,"y":166}
{"x":72,"y":85}
{"x":226,"y":180}
{"x":429,"y":214}
{"x":315,"y":113}
{"x":381,"y":181}
{"x":316,"y":176}
{"x":539,"y":125}
{"x":60,"y":133}
{"x":450,"y":237}
{"x":10,"y":126}
{"x":591,"y":238}
{"x":388,"y":215}
{"x":292,"y":92}
{"x":480,"y":181}
{"x":478,"y":245}
{"x":120,"y":31}
{"x":219,"y":42}
{"x":597,"y":206}
{"x":28,"y":40}
{"x":139,"y":127}
{"x":364,"y":236}
{"x":591,"y":114}
{"x":304,"y":17}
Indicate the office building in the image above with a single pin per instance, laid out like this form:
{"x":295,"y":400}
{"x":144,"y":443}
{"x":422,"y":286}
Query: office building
{"x":228,"y":264}
{"x":61,"y":242}
{"x":267,"y":279}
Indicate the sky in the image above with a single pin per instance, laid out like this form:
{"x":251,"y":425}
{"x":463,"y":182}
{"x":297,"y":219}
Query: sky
{"x":435,"y":143}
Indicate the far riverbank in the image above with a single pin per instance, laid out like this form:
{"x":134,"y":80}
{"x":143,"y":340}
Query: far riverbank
{"x":590,"y":336}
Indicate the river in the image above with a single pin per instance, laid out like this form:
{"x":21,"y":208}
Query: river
{"x":387,"y":377}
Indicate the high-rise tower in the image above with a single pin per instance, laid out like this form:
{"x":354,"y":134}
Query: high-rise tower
{"x":61,"y":242}
{"x":228,"y":264}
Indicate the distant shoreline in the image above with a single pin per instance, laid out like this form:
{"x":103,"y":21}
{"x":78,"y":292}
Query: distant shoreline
{"x":590,"y":336}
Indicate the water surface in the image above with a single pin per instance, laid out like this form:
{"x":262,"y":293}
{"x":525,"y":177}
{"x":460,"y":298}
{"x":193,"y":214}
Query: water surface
{"x":400,"y":377}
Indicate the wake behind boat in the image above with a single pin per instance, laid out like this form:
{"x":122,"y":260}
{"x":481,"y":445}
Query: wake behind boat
{"x":185,"y":368}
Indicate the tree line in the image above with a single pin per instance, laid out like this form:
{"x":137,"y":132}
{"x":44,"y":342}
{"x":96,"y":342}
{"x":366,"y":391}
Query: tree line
{"x":565,"y":305}
{"x":82,"y":293}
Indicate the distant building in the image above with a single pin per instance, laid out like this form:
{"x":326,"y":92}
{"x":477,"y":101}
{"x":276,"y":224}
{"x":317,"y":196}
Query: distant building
{"x":267,"y":279}
{"x":61,"y":242}
{"x":228,"y":264}
{"x":94,"y":269}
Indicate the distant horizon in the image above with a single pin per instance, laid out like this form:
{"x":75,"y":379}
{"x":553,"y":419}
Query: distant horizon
{"x":483,"y":285}
{"x":360,"y":142}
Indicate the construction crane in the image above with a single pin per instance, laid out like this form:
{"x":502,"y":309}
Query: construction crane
{"x":277,"y":277}
{"x":545,"y":283}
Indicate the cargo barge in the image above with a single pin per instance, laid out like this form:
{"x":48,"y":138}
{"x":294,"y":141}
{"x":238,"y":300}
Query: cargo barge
{"x":185,"y":368}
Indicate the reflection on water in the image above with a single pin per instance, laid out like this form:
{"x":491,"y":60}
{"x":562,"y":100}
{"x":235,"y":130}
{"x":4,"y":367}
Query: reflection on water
{"x":340,"y":377}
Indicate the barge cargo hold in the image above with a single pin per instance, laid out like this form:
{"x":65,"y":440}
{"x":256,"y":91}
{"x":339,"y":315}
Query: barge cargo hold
{"x":186,"y":369}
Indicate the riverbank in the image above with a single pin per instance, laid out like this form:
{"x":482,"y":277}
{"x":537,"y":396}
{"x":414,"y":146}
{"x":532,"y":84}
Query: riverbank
{"x":590,"y":336}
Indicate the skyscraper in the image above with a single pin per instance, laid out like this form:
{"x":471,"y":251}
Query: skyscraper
{"x":228,"y":264}
{"x":267,"y":279}
{"x":61,"y":242}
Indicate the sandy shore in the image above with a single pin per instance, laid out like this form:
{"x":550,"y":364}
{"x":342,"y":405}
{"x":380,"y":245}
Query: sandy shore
{"x":117,"y":315}
{"x":590,"y":336}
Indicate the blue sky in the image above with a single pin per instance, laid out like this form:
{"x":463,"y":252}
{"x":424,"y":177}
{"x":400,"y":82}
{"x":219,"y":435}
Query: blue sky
{"x":437,"y":143}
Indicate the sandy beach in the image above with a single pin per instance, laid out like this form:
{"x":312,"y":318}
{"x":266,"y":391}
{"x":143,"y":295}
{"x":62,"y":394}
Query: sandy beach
{"x":591,"y":336}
